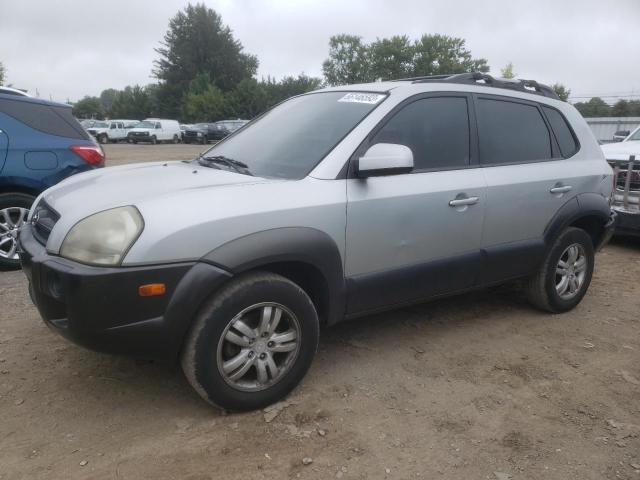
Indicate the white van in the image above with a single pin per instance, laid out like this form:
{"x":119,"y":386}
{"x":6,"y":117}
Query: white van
{"x":154,"y":130}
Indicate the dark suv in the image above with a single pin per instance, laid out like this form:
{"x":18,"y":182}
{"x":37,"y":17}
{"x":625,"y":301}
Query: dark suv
{"x":40,"y":145}
{"x":199,"y":133}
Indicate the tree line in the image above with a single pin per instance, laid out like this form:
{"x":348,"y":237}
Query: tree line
{"x":204,"y":74}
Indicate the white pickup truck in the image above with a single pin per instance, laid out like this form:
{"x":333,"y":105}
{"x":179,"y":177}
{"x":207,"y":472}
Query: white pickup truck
{"x":111,"y":130}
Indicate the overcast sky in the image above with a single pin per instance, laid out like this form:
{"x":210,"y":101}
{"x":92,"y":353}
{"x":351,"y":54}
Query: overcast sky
{"x":69,"y":49}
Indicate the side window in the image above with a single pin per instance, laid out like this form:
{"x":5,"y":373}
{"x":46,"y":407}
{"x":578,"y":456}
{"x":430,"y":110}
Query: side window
{"x":113,"y":126}
{"x":566,"y":140}
{"x":48,"y":119}
{"x":436,"y":129}
{"x":158,"y":125}
{"x":511,"y":132}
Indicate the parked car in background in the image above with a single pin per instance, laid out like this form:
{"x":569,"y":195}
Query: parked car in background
{"x":88,"y":122}
{"x":332,"y":205}
{"x":13,"y":91}
{"x":40,"y":144}
{"x":620,"y":135}
{"x":183,"y":128}
{"x":111,"y":130}
{"x":200,"y":133}
{"x":154,"y":130}
{"x":227,"y":127}
{"x":624,"y":158}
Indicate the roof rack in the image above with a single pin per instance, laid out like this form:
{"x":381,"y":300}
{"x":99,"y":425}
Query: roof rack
{"x":483,"y":79}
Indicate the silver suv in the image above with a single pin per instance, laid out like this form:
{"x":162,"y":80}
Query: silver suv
{"x":374,"y":196}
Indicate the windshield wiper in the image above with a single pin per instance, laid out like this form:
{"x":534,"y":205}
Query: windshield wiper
{"x":236,"y":165}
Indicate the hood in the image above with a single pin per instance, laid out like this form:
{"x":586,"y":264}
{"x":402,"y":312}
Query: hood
{"x":621,"y":150}
{"x":201,"y":130}
{"x":140,"y":129}
{"x":97,"y":129}
{"x":138,"y":184}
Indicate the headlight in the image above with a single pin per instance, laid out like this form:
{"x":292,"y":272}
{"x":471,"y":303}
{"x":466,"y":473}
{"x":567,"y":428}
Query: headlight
{"x":103,"y":238}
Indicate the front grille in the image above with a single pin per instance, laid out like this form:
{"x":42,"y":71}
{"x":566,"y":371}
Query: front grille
{"x":43,"y":220}
{"x":626,"y":197}
{"x":190,"y":134}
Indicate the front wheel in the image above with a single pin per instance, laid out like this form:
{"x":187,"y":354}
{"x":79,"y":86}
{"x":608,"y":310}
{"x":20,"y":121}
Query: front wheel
{"x":564,"y":277}
{"x":14,"y":208}
{"x":103,"y":139}
{"x":252,"y":342}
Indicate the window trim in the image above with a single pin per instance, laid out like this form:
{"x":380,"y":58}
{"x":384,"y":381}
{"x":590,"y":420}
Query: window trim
{"x":568,"y":124}
{"x":349,"y":170}
{"x":555,"y":149}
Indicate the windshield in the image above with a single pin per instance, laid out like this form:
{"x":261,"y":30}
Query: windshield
{"x":100,"y":125}
{"x":291,"y":139}
{"x":634,"y":136}
{"x":201,"y":126}
{"x":145,"y":124}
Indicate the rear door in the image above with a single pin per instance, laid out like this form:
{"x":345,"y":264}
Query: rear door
{"x":405,"y":239}
{"x":528,"y":181}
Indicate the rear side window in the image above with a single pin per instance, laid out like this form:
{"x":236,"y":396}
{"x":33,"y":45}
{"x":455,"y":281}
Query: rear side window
{"x":45,"y":118}
{"x":511,"y":132}
{"x":566,"y":140}
{"x":436,"y":130}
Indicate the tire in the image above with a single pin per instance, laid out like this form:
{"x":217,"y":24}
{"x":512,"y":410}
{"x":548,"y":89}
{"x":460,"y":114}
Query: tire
{"x":154,"y":140}
{"x":14,"y":208}
{"x":130,"y":140}
{"x":205,"y":140}
{"x":103,"y":139}
{"x":175,"y":139}
{"x":207,"y":347}
{"x":544,"y":288}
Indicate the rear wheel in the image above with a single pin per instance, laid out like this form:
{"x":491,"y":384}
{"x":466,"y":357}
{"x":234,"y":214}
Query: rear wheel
{"x":252,"y":342}
{"x":175,"y":139}
{"x":14,"y":208}
{"x":103,"y":138}
{"x":564,"y":277}
{"x":154,"y":140}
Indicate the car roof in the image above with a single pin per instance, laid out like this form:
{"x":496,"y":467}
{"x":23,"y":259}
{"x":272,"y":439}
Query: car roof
{"x":40,"y":101}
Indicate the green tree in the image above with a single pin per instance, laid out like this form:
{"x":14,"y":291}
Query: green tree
{"x":248,"y":99}
{"x":2,"y":73}
{"x":204,"y":102}
{"x":391,"y":58}
{"x":107,"y":97}
{"x":352,"y":61}
{"x":88,"y":107}
{"x":621,"y":109}
{"x":507,"y":71}
{"x":289,"y":86}
{"x":596,"y":107}
{"x":441,"y":54}
{"x":134,"y":102}
{"x":197,"y":42}
{"x":348,"y":61}
{"x":562,"y":91}
{"x":634,"y":108}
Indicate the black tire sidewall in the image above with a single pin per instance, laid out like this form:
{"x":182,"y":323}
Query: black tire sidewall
{"x":217,"y":314}
{"x":14,"y":200}
{"x":570,"y":236}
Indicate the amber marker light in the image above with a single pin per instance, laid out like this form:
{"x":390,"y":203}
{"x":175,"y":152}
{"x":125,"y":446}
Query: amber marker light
{"x":152,"y":290}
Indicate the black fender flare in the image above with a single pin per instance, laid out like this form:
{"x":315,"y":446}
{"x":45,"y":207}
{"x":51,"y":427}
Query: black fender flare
{"x":581,"y":206}
{"x":304,"y":245}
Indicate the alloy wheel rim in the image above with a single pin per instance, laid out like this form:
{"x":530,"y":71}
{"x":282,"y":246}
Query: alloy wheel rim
{"x":11,"y":219}
{"x":258,"y":347}
{"x":571,"y":271}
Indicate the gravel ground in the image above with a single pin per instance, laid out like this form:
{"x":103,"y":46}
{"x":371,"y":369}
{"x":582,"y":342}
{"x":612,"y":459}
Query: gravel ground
{"x":479,"y":386}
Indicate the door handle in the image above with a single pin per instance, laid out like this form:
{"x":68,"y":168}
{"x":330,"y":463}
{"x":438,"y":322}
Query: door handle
{"x":561,"y":189}
{"x":461,"y":202}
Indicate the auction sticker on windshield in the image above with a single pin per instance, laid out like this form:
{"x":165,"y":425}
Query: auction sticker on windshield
{"x":371,"y":98}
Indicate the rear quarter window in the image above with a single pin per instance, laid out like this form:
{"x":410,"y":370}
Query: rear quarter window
{"x":564,"y":135}
{"x":49,"y":119}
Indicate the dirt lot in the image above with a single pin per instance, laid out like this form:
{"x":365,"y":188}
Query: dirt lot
{"x":475,"y":387}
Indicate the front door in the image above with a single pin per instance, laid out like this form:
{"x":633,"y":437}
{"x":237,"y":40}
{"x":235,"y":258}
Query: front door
{"x":416,"y":235}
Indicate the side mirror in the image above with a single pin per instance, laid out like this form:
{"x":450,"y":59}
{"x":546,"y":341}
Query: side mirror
{"x":385,"y":159}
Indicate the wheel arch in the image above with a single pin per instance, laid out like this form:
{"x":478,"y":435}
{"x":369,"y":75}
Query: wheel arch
{"x":304,"y":255}
{"x":588,"y":211}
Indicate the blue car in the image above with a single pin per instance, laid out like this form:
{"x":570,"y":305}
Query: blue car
{"x":41,"y":143}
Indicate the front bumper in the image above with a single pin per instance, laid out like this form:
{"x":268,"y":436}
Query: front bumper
{"x":100,"y":309}
{"x":628,"y":222}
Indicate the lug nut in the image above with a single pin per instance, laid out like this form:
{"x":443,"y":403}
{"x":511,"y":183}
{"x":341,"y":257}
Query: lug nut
{"x":270,"y":344}
{"x":251,"y":354}
{"x":263,"y":356}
